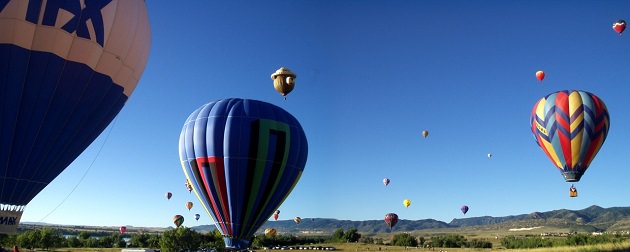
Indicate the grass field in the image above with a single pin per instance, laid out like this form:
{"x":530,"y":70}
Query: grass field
{"x":619,"y":247}
{"x":625,"y":246}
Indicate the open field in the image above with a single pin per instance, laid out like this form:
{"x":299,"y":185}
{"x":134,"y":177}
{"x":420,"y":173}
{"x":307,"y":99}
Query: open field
{"x":619,"y":247}
{"x":625,"y":246}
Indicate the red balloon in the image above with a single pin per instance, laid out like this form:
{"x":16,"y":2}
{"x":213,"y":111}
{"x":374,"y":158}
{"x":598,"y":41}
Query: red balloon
{"x":540,"y":75}
{"x":391,"y":219}
{"x":619,"y":26}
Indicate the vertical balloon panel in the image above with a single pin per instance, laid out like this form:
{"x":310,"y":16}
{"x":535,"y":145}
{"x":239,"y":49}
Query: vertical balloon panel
{"x":66,"y":70}
{"x":243,"y":158}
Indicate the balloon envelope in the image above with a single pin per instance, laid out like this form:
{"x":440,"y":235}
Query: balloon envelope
{"x":169,"y":195}
{"x":297,"y":220}
{"x":386,"y":181}
{"x":283,"y":81}
{"x":570,"y":127}
{"x":464,"y":209}
{"x":391,"y":219}
{"x":189,"y":205}
{"x":122,"y":229}
{"x":270,"y":232}
{"x":243,"y":158}
{"x":619,"y":26}
{"x":67,"y":68}
{"x":197,"y":216}
{"x":406,"y":203}
{"x":425,"y":133}
{"x":178,"y":220}
{"x":540,"y":75}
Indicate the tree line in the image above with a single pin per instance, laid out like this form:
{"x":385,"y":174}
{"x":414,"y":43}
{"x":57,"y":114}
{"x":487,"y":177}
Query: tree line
{"x":184,"y":238}
{"x":513,"y":242}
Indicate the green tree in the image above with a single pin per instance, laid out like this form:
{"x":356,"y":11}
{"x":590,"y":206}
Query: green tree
{"x":73,"y":242}
{"x":181,"y":238}
{"x":404,"y":239}
{"x":338,"y":235}
{"x":140,"y":241}
{"x":84,"y":235}
{"x":153,"y":241}
{"x":29,"y":239}
{"x":49,"y":238}
{"x":352,"y":235}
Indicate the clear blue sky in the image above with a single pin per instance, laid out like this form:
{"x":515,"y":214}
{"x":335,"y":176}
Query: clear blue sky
{"x":371,"y":76}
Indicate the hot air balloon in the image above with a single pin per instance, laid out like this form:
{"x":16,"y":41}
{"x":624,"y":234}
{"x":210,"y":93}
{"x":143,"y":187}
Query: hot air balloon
{"x":197,"y":216}
{"x":386,"y":181}
{"x":270,"y":232}
{"x":425,"y":133}
{"x":67,"y":69}
{"x":188,"y":185}
{"x":122,"y":229}
{"x":570,"y":127}
{"x":464,"y":209}
{"x":406,"y":203}
{"x":619,"y":26}
{"x":391,"y":219}
{"x":178,"y":220}
{"x":489,"y":155}
{"x":169,"y":195}
{"x":189,"y":205}
{"x":276,"y":215}
{"x":540,"y":75}
{"x":243,"y":158}
{"x":283,"y":81}
{"x":297,"y":220}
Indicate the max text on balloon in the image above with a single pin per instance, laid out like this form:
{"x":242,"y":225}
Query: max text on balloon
{"x":89,"y":11}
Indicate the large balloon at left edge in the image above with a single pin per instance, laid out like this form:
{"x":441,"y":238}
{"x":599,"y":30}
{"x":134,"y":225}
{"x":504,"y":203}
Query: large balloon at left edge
{"x":66,"y":69}
{"x":570,"y":127}
{"x":243,"y":158}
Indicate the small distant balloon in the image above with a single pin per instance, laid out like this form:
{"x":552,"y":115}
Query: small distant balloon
{"x":283,"y":81}
{"x":619,"y":26}
{"x":122,"y":229}
{"x":540,"y":75}
{"x":489,"y":155}
{"x":276,"y":214}
{"x":391,"y":219}
{"x":407,"y":203}
{"x":464,"y":209}
{"x":189,"y":205}
{"x":270,"y":232}
{"x":197,"y":216}
{"x":178,"y":220}
{"x":386,"y":181}
{"x":297,"y":220}
{"x":169,"y":195}
{"x":188,"y":185}
{"x":425,"y":133}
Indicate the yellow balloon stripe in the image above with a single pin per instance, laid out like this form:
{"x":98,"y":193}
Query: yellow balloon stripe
{"x":552,"y":153}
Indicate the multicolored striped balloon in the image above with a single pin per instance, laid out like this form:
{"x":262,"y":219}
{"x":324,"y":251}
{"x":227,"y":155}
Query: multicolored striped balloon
{"x":243,"y":158}
{"x":570,"y":127}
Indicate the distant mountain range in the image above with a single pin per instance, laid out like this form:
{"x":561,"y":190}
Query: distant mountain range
{"x":591,"y":219}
